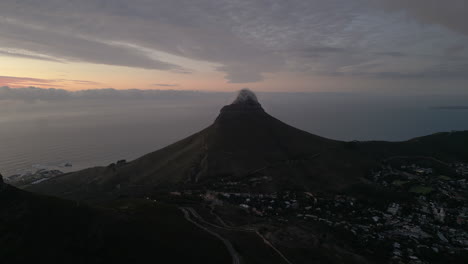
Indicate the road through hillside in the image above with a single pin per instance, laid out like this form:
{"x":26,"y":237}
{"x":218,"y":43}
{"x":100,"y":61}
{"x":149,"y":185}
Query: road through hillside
{"x":235,"y":256}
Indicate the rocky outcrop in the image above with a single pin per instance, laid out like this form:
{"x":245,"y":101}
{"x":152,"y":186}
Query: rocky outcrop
{"x":245,"y":104}
{"x":244,"y":140}
{"x":2,"y":184}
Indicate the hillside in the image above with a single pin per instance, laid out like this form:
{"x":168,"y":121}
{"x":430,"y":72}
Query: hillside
{"x":39,"y":229}
{"x":246,"y":142}
{"x":449,"y":146}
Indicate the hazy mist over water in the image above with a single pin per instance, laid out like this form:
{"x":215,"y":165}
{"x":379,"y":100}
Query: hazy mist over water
{"x":90,"y":129}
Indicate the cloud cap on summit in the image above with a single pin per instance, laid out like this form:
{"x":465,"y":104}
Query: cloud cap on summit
{"x":246,"y":103}
{"x":246,"y":96}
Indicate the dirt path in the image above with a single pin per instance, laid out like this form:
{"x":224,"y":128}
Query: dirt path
{"x":229,"y":228}
{"x":236,"y":259}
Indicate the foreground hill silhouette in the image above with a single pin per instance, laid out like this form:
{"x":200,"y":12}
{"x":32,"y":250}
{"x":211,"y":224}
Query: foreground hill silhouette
{"x":40,"y":229}
{"x":245,"y":141}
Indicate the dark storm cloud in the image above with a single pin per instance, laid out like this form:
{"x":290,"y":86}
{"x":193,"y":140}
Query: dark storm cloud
{"x":244,"y":39}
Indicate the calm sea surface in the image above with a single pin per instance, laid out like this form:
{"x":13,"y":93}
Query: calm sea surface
{"x":88,"y":132}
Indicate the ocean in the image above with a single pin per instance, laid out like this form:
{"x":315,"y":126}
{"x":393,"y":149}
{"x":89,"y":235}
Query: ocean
{"x":88,"y":131}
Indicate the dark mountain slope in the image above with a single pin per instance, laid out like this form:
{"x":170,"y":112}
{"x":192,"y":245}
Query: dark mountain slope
{"x":245,"y":141}
{"x":39,"y":229}
{"x":447,"y":146}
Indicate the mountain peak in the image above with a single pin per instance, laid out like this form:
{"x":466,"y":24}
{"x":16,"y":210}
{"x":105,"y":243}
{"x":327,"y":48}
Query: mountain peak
{"x":246,"y":96}
{"x":246,"y":103}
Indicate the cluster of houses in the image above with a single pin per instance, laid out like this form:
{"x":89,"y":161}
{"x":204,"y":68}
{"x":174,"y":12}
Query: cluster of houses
{"x":432,"y":220}
{"x":413,"y":232}
{"x":429,"y":223}
{"x":461,"y":168}
{"x":425,"y":181}
{"x":32,"y":177}
{"x":416,"y":227}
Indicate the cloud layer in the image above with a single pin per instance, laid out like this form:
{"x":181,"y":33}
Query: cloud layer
{"x":51,"y":83}
{"x":450,"y":14}
{"x":31,"y":94}
{"x":246,"y":40}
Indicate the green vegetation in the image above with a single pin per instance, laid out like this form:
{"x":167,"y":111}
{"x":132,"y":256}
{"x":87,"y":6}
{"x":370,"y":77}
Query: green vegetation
{"x":419,"y":189}
{"x":399,"y":182}
{"x":445,"y":178}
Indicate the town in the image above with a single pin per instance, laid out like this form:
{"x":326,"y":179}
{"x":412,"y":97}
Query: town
{"x":419,"y":216}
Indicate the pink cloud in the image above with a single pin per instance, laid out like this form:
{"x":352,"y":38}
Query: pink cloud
{"x":12,"y":81}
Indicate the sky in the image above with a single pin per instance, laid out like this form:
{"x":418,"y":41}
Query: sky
{"x":391,"y":46}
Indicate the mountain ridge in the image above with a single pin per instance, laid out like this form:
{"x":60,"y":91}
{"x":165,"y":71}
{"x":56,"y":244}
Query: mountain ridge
{"x":243,"y":140}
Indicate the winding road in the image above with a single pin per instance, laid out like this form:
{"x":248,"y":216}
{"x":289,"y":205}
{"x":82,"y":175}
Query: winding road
{"x":236,"y":259}
{"x":190,"y":212}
